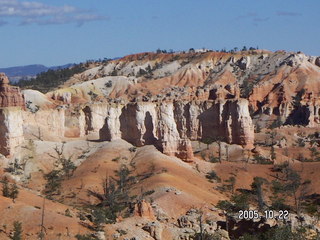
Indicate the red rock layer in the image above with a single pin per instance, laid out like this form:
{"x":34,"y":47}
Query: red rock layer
{"x":9,"y":96}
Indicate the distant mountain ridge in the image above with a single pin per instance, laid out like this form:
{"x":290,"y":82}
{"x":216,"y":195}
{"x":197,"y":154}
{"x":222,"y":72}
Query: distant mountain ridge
{"x":25,"y":72}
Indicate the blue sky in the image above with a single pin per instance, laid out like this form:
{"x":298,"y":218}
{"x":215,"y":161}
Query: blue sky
{"x":64,"y":31}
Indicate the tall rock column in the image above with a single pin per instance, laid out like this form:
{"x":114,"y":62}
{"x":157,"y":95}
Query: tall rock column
{"x":169,"y":137}
{"x":239,"y":127}
{"x":11,"y":120}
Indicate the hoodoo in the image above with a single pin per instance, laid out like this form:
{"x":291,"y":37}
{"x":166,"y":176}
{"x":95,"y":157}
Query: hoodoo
{"x":11,"y":123}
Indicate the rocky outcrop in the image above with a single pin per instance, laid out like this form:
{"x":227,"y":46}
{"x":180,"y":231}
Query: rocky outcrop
{"x":154,"y":229}
{"x":11,"y":129}
{"x":317,"y":61}
{"x":171,"y":126}
{"x":50,"y":123}
{"x":145,"y":124}
{"x":143,"y":209}
{"x":9,"y":96}
{"x":64,"y":97}
{"x":111,"y":128}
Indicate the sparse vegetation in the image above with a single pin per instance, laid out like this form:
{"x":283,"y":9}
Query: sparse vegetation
{"x":5,"y":188}
{"x":9,"y":190}
{"x":213,"y":159}
{"x":278,"y":233}
{"x":212,"y":175}
{"x":17,"y":231}
{"x":261,"y":160}
{"x":231,"y":182}
{"x":276,"y":123}
{"x":315,"y":154}
{"x":246,"y":88}
{"x":258,"y":191}
{"x":297,"y":99}
{"x":133,"y":149}
{"x":108,"y":84}
{"x":14,"y":191}
{"x":114,"y":200}
{"x":275,"y":187}
{"x":86,"y":237}
{"x":62,"y":162}
{"x":288,"y":183}
{"x":31,"y":108}
{"x":93,"y":95}
{"x":237,"y":202}
{"x":47,"y":81}
{"x":53,"y":184}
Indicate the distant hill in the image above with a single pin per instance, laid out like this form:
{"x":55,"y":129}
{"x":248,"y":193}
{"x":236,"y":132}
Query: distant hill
{"x":17,"y":73}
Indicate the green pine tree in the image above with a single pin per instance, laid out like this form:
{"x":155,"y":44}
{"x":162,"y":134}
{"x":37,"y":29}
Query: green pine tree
{"x":14,"y":191}
{"x":17,"y":231}
{"x":5,"y":188}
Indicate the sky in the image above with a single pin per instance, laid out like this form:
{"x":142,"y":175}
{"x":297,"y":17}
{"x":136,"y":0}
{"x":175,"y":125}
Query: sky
{"x":64,"y":31}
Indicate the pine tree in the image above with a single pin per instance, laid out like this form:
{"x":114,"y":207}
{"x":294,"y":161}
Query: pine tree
{"x":14,"y":191}
{"x":5,"y":188}
{"x":258,"y":190}
{"x":17,"y":231}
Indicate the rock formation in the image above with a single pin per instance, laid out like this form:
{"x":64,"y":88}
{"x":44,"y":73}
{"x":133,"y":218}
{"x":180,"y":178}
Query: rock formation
{"x":171,"y":125}
{"x":11,"y":124}
{"x":143,"y":209}
{"x":9,"y":96}
{"x":317,"y":61}
{"x":169,"y":100}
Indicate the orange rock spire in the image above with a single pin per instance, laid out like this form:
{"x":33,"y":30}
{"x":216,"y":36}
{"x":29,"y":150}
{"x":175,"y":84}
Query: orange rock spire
{"x":9,"y":96}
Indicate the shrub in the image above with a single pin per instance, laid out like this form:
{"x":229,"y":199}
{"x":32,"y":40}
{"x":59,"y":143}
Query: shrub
{"x":276,"y":123}
{"x":280,"y":167}
{"x":92,"y":95}
{"x":133,"y":149}
{"x":108,"y":84}
{"x":85,"y":237}
{"x":53,"y":182}
{"x":213,"y":159}
{"x":212,"y":175}
{"x":206,"y":236}
{"x":261,"y":160}
{"x":301,"y":142}
{"x":148,"y":192}
{"x":5,"y":188}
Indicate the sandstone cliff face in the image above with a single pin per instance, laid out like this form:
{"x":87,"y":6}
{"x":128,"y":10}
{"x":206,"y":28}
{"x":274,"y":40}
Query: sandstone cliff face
{"x":48,"y":123}
{"x":144,"y":124}
{"x":269,"y":80}
{"x":11,"y":130}
{"x":111,"y":128}
{"x":170,"y":126}
{"x":290,"y":92}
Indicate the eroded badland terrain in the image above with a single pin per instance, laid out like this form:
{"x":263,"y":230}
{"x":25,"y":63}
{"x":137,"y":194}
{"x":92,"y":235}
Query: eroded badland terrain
{"x":164,"y":146}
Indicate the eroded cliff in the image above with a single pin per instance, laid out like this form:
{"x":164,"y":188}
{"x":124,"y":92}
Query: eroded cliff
{"x":170,"y":126}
